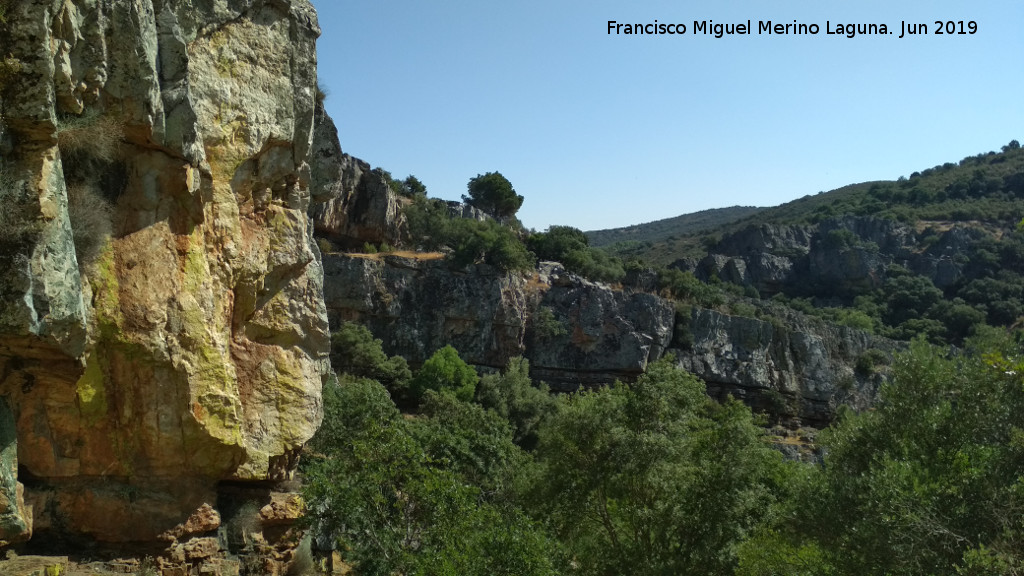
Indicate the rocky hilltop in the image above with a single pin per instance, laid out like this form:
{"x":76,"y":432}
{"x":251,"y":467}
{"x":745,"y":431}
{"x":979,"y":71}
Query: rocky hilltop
{"x":182,"y":360}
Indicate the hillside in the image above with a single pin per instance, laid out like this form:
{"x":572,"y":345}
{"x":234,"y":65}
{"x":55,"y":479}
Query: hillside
{"x":985,"y":188}
{"x":661,"y":230}
{"x":935,"y":255}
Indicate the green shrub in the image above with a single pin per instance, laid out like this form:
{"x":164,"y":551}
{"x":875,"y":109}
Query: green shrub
{"x":428,"y":222}
{"x":356,"y":352}
{"x":685,"y":286}
{"x":654,"y":478}
{"x":929,"y":479}
{"x":475,"y":242}
{"x":546,"y":326}
{"x":325,"y":245}
{"x":445,"y":372}
{"x":399,"y":496}
{"x":743,"y":309}
{"x":471,"y":241}
{"x":682,"y":334}
{"x":868,"y":361}
{"x":513,"y":396}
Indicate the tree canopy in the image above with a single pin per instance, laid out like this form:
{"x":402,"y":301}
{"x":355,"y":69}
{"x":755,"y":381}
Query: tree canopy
{"x":493,"y":193}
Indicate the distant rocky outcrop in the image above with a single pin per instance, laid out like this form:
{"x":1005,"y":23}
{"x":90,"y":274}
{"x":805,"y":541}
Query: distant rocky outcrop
{"x":191,"y":353}
{"x":837,"y":257}
{"x":791,"y":367}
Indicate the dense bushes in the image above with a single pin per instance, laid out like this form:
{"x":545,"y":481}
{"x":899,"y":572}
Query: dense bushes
{"x":470,"y":241}
{"x":656,"y":478}
{"x":445,"y":372}
{"x":354,"y":351}
{"x":619,"y":480}
{"x":929,"y":482}
{"x":407,"y":496}
{"x":570,"y":247}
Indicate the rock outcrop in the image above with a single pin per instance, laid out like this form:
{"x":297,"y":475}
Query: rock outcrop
{"x":192,"y":350}
{"x":578,"y":333}
{"x":836,"y":258}
{"x":357,"y":205}
{"x":589,"y":334}
{"x":792,"y":368}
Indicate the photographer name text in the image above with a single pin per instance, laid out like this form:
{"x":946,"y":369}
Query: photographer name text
{"x":795,"y":28}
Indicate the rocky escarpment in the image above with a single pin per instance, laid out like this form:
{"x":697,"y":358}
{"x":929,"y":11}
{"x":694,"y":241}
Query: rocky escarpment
{"x":578,"y":333}
{"x":190,"y":350}
{"x":839,"y":257}
{"x":572,"y":331}
{"x":790,"y":366}
{"x":357,"y":205}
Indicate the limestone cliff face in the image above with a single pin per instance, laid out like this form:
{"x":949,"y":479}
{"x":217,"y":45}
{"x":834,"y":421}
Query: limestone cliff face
{"x":578,"y":333}
{"x":807,"y":259}
{"x":797,"y":368}
{"x":589,"y":334}
{"x":192,"y":349}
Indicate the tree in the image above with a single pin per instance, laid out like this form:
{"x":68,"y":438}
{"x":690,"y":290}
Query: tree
{"x":414,"y":187}
{"x":475,"y":242}
{"x":570,"y":246}
{"x":356,"y":352}
{"x":493,"y":193}
{"x":398,"y":496}
{"x":930,"y":480}
{"x":655,"y":478}
{"x":557,"y":242}
{"x":445,"y":372}
{"x":513,"y":396}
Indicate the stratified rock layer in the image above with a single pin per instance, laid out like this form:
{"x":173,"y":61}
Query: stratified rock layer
{"x":192,"y":350}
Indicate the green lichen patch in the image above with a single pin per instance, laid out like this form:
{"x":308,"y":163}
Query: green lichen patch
{"x":91,"y":391}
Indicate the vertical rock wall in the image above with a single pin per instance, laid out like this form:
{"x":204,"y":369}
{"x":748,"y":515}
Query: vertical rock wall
{"x":192,"y":348}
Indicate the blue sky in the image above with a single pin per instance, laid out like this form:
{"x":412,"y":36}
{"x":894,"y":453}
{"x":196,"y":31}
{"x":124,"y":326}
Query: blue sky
{"x":600,"y":131}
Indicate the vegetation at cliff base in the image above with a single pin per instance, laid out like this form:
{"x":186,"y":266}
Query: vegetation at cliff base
{"x":656,"y":478}
{"x":929,"y":482}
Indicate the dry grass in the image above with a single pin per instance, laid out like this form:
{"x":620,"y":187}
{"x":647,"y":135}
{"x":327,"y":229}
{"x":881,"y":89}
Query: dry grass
{"x":92,"y":134}
{"x":535,"y":284}
{"x":419,"y":256}
{"x":90,"y":217}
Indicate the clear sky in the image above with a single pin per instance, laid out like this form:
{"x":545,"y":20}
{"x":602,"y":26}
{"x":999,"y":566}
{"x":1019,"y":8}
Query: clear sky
{"x":600,"y":130}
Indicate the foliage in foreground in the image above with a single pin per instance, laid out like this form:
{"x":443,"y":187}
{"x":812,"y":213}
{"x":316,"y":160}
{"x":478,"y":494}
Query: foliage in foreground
{"x":929,"y":482}
{"x":655,"y":478}
{"x":393,"y":496}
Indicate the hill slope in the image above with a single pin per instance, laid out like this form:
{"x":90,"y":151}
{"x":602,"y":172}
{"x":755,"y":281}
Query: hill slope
{"x":985,"y":188}
{"x":660,"y":230}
